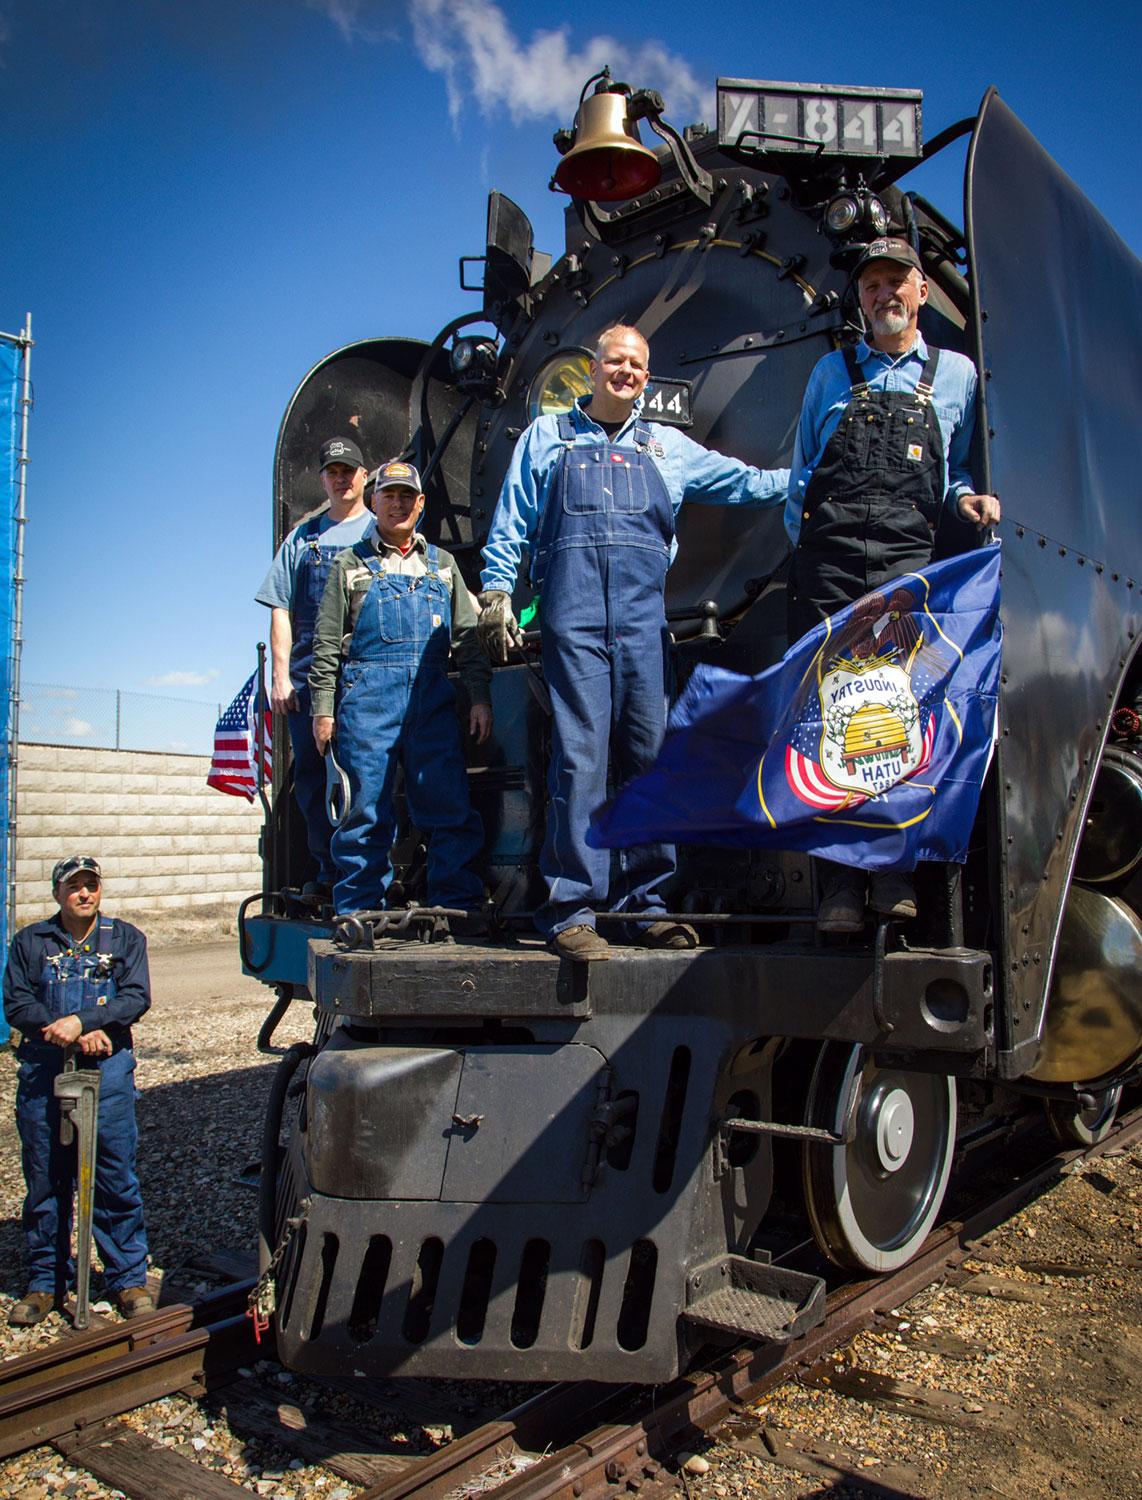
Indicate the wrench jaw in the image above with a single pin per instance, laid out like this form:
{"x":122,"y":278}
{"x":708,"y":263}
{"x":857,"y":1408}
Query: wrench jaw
{"x":77,"y":1091}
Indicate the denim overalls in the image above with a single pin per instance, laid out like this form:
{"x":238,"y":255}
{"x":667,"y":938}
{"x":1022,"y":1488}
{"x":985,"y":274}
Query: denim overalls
{"x":601,"y":555}
{"x":873,"y":502}
{"x":396,"y":706}
{"x":72,"y":980}
{"x":308,"y":762}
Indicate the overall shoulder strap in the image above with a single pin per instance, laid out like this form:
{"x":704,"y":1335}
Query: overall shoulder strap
{"x":432,"y":557}
{"x":856,"y":378}
{"x":566,"y":427}
{"x":104,"y":935}
{"x":312,"y":528}
{"x":641,"y":434}
{"x":927,"y":376}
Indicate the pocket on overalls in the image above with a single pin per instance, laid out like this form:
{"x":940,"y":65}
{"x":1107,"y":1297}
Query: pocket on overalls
{"x":860,"y":429}
{"x":389,"y":600}
{"x":350,"y":676}
{"x":438,"y":608}
{"x":629,"y":494}
{"x":908,"y":450}
{"x":583,"y":492}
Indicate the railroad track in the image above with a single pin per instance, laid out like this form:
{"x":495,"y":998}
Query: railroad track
{"x":574,"y":1440}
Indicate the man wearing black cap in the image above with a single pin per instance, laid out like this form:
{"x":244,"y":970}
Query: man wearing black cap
{"x":394,"y":608}
{"x":293,"y":589}
{"x":883,"y":449}
{"x":77,"y":983}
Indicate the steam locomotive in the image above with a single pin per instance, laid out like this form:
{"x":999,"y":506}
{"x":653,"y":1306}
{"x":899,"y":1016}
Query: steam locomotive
{"x":493,"y":1162}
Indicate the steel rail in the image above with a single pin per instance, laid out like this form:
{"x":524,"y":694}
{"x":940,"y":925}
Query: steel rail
{"x":111,"y":1369}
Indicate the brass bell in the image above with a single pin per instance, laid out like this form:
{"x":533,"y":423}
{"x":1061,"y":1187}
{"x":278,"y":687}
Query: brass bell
{"x":608,"y":162}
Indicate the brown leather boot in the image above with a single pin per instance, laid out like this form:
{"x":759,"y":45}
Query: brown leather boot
{"x":133,"y":1301}
{"x":31,"y":1309}
{"x":581,"y":943}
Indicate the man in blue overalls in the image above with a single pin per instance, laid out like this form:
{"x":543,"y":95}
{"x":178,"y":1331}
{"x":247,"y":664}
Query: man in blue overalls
{"x":293,"y":588}
{"x":594,"y":493}
{"x":883,"y":448}
{"x":76,"y":983}
{"x":394,"y":609}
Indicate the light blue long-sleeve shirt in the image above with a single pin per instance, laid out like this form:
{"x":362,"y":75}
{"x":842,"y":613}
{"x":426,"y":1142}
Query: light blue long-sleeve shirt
{"x":689,"y":471}
{"x":828,"y":392}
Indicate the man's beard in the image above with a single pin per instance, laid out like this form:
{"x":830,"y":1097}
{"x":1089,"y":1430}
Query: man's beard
{"x":890,"y":320}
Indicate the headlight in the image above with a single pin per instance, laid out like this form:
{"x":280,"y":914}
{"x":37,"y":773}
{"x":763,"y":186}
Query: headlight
{"x":559,"y":382}
{"x":841,"y":214}
{"x":474,"y":364}
{"x":877,"y":216}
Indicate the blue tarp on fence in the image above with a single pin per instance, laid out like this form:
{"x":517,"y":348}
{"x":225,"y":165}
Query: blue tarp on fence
{"x":11,"y":358}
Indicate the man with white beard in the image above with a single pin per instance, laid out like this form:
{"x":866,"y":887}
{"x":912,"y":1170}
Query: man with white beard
{"x":883,"y":446}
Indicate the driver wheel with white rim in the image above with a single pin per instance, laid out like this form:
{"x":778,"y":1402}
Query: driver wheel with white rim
{"x":873,"y":1202}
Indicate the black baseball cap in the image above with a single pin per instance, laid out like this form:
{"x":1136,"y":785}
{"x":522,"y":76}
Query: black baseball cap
{"x":397,"y":472}
{"x":341,"y":451}
{"x":72,"y":864}
{"x":888,"y":249}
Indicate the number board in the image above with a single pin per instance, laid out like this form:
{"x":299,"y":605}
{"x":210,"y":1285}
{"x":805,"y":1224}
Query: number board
{"x":668,"y":401}
{"x":813,"y":119}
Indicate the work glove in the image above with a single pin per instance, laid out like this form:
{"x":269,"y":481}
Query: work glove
{"x":497,"y":629}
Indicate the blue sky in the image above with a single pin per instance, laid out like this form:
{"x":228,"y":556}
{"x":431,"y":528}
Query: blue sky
{"x":200,"y":200}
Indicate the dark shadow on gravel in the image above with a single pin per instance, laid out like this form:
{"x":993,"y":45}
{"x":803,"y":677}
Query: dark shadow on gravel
{"x":195,"y":1137}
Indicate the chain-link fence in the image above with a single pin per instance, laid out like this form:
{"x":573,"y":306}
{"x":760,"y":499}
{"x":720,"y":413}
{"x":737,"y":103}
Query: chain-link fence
{"x":109,"y":719}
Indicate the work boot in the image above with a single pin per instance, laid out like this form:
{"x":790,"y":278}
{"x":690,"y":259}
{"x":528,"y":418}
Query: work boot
{"x":892,"y":894}
{"x":31,"y":1309}
{"x":581,"y":943}
{"x":842,"y":901}
{"x":133,"y":1301}
{"x":667,"y":935}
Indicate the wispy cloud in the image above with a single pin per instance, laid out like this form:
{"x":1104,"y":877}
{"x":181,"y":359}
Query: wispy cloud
{"x":78,"y":729}
{"x":360,"y":20}
{"x":182,"y":679}
{"x":472,"y":44}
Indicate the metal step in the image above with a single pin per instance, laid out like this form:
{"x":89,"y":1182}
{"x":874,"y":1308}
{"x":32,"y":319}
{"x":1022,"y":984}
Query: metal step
{"x":746,"y":1299}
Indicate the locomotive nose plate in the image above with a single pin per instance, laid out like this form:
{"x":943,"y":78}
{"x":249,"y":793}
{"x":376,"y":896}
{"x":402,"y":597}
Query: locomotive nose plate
{"x":470,"y":1125}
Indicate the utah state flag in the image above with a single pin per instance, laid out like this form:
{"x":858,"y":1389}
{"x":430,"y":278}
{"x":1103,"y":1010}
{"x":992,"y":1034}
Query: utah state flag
{"x":867,"y":744}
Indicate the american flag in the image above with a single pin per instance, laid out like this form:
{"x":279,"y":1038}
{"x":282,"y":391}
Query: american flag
{"x":234,"y":766}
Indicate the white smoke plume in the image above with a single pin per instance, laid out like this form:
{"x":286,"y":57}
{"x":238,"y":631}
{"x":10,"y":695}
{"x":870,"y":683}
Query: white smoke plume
{"x":472,"y":44}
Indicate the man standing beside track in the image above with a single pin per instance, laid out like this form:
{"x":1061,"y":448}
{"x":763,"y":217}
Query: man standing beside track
{"x":395,"y":607}
{"x":78,"y":982}
{"x":594,"y":493}
{"x":293,"y":588}
{"x":883,"y":447}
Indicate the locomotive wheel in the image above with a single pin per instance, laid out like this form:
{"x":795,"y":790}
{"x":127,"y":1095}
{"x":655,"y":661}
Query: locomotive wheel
{"x":1075,"y":1126}
{"x":873,"y":1201}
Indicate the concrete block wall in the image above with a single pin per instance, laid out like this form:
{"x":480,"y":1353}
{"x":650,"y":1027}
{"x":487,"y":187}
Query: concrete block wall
{"x":177,"y":856}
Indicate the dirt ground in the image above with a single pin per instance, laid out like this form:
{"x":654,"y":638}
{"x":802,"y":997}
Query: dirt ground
{"x":1022,"y":1378}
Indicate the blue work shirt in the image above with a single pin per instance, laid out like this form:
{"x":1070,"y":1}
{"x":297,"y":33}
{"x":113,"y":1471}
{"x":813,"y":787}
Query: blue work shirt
{"x":24,"y":1005}
{"x":689,"y":471}
{"x":828,"y":393}
{"x":278,"y":586}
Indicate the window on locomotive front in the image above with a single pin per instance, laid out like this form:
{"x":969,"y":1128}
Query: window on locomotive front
{"x":559,"y":382}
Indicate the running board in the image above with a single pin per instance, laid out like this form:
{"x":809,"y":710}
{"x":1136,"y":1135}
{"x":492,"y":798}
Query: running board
{"x":746,"y":1299}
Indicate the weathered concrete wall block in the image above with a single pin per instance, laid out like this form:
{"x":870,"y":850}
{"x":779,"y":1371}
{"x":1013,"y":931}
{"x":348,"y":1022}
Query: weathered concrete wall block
{"x":170,"y":845}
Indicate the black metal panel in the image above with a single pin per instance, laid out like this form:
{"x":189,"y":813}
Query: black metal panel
{"x":407,"y":978}
{"x":931,"y":1000}
{"x":1060,"y":305}
{"x":363,"y":391}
